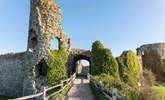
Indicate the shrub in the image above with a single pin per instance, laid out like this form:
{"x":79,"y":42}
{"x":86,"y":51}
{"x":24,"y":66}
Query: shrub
{"x":57,"y":66}
{"x":149,"y":78}
{"x":96,"y":57}
{"x":147,"y":92}
{"x":129,"y":68}
{"x":109,"y":64}
{"x":103,"y":61}
{"x":109,"y":82}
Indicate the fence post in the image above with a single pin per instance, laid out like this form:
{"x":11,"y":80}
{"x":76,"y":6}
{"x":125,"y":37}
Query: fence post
{"x":44,"y":94}
{"x":62,"y":84}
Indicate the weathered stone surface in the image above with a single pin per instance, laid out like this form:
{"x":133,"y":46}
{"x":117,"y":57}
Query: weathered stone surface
{"x":153,"y":57}
{"x":75,"y":55}
{"x":20,"y":73}
{"x":11,"y":74}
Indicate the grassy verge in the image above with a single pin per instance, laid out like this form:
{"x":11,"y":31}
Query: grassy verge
{"x":160,"y":90}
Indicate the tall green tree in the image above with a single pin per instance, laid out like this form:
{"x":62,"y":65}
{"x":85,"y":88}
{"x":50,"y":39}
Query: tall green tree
{"x":96,"y":57}
{"x":103,"y":61}
{"x":109,"y":64}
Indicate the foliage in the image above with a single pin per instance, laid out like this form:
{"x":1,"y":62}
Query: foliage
{"x":122,"y":73}
{"x":109,"y":64}
{"x":103,"y":61}
{"x":96,"y":46}
{"x":149,"y":94}
{"x":61,"y":95}
{"x":109,"y":82}
{"x":97,"y":92}
{"x":160,"y":90}
{"x":129,"y":68}
{"x":96,"y":57}
{"x":57,"y":66}
{"x":149,"y":77}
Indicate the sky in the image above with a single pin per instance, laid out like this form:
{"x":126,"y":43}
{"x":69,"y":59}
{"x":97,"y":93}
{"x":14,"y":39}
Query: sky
{"x":119,"y":24}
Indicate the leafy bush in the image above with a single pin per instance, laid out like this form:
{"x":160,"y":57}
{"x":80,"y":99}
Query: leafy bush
{"x":103,"y":61}
{"x":57,"y":66}
{"x":149,"y":78}
{"x":129,"y":68}
{"x":122,"y":73}
{"x":96,"y":57}
{"x":109,"y":64}
{"x":149,"y":94}
{"x":130,"y":73}
{"x":109,"y":82}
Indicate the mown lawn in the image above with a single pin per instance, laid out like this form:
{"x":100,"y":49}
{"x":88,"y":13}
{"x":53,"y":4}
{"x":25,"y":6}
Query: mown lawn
{"x":160,"y":90}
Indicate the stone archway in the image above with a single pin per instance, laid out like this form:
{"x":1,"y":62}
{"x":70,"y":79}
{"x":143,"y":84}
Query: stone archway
{"x":78,"y":58}
{"x":76,"y":55}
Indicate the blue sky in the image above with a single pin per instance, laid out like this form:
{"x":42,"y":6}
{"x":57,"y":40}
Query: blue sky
{"x":119,"y":24}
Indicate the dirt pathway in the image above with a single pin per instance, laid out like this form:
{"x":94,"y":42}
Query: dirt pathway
{"x":80,"y":90}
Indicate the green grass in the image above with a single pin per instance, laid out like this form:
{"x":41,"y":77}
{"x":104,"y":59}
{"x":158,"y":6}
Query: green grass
{"x":159,"y":89}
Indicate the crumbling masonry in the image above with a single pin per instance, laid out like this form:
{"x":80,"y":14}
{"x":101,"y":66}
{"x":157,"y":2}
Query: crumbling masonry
{"x":25,"y":73}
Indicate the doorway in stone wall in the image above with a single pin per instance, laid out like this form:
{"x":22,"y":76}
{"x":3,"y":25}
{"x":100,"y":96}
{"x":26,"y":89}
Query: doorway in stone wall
{"x":82,"y":65}
{"x":42,"y":68}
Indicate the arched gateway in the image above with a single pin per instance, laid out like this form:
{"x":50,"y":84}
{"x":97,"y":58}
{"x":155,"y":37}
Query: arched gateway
{"x":77,"y":55}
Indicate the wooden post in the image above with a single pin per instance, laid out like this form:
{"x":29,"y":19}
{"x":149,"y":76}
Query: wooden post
{"x":62,"y":84}
{"x":44,"y":94}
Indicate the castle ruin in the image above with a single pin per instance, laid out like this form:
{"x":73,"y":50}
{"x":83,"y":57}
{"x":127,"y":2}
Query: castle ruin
{"x":153,"y":58}
{"x":25,"y":73}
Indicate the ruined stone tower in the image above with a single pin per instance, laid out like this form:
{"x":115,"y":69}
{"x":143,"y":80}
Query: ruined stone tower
{"x":153,"y":58}
{"x":44,"y":25}
{"x":26,"y":73}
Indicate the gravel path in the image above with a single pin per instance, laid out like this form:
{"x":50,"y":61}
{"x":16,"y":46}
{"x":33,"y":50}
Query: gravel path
{"x":80,"y":90}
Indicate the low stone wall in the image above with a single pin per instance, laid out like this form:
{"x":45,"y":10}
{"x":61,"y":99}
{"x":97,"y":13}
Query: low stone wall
{"x":11,"y":74}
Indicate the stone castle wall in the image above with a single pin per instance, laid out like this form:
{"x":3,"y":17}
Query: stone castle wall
{"x":157,"y":48}
{"x":19,"y":73}
{"x":11,"y":74}
{"x":24,"y":74}
{"x":153,"y":57}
